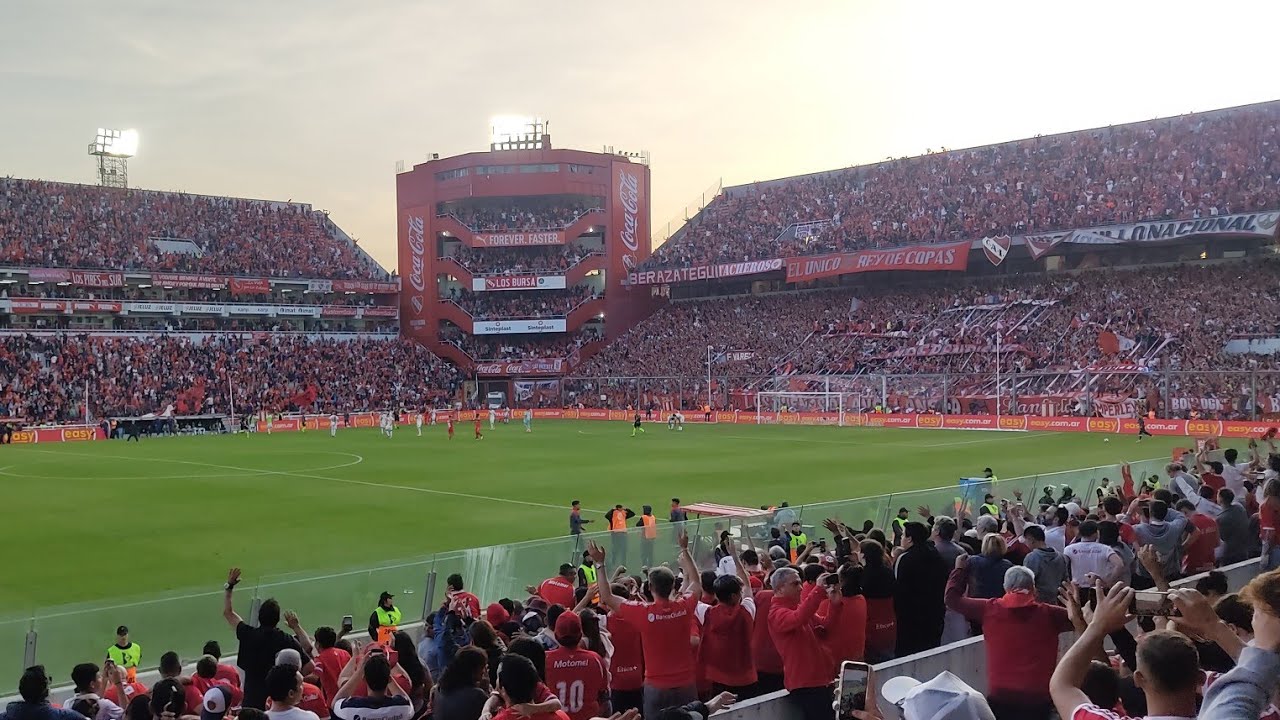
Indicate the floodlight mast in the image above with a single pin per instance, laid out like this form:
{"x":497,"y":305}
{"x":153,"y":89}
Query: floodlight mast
{"x":113,"y":148}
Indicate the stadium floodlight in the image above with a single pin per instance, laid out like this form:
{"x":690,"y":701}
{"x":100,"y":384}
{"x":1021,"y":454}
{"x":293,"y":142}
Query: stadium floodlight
{"x":113,"y":148}
{"x":518,"y":132}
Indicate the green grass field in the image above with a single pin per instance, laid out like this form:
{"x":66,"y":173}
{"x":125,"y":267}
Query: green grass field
{"x":142,"y":533}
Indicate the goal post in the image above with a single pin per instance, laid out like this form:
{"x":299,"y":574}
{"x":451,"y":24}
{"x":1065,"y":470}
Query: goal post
{"x":774,"y":406}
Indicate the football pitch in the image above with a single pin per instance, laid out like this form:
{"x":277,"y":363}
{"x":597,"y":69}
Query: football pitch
{"x":108,"y":533}
{"x":176,"y":512}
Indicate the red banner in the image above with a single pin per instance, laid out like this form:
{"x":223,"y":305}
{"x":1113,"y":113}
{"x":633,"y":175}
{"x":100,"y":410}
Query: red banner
{"x":537,"y":366}
{"x":89,"y":278}
{"x":928,"y":258}
{"x":381,"y":311}
{"x":518,"y":239}
{"x":68,"y":433}
{"x":365,"y":286}
{"x":183,"y":280}
{"x":338,"y":311}
{"x":96,"y":306}
{"x":31,"y":306}
{"x":246,"y":286}
{"x":704,"y":272}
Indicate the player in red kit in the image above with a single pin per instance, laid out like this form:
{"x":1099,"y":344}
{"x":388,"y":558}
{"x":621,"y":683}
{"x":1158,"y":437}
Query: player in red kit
{"x":450,"y":425}
{"x":479,"y":435}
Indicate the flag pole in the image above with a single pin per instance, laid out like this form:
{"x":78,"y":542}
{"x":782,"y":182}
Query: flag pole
{"x":998,"y":339}
{"x":86,"y":401}
{"x":231,"y":395}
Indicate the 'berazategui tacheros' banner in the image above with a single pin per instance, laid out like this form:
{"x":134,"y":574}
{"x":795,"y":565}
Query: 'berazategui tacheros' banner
{"x":947,"y":256}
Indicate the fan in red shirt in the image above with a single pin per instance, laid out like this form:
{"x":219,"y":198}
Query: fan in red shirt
{"x":117,"y":686}
{"x":1213,"y":476}
{"x":518,"y":685}
{"x":626,"y":665}
{"x":806,"y":664}
{"x":666,"y":627}
{"x":457,"y":600}
{"x":725,"y":650}
{"x":224,"y":672}
{"x":764,"y":654}
{"x":206,"y":676}
{"x":558,"y":590}
{"x":577,"y":675}
{"x":1198,"y":556}
{"x":329,"y":660}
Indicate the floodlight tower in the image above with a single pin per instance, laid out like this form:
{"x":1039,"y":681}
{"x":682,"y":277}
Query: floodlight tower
{"x":113,"y":148}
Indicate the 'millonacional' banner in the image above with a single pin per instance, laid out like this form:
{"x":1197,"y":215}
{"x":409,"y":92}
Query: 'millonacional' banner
{"x":1259,"y":225}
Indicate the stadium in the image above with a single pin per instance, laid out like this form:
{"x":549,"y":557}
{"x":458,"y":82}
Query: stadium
{"x":869,"y":436}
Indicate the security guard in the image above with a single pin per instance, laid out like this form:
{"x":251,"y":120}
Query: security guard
{"x":587,"y":571}
{"x":986,"y":472}
{"x":125,"y":653}
{"x":796,"y":541}
{"x":899,"y":525}
{"x":650,"y":525}
{"x":990,"y":506}
{"x":385,"y":619}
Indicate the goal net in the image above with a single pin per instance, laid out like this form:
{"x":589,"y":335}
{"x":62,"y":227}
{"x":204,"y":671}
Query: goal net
{"x":778,"y":407}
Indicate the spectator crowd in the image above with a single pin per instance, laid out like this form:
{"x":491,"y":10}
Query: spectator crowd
{"x":762,"y":606}
{"x":550,"y":260}
{"x":1168,"y":323}
{"x":48,"y":224}
{"x":1191,"y":166}
{"x":519,"y":217}
{"x":523,"y":303}
{"x":44,"y":379}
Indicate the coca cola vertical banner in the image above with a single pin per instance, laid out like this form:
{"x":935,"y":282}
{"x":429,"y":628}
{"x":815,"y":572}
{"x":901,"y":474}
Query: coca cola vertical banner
{"x":414,"y":301}
{"x":628,"y":242}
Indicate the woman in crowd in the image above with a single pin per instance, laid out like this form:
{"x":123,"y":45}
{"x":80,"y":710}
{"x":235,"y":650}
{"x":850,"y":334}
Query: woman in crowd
{"x":463,"y":688}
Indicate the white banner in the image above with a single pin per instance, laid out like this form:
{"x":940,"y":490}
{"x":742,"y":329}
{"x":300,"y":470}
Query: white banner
{"x":518,"y":282}
{"x":150,"y":307}
{"x":302,"y":310}
{"x":250,"y":309}
{"x":515,"y":327}
{"x":1251,"y":225}
{"x":320,"y":286}
{"x":203,"y":309}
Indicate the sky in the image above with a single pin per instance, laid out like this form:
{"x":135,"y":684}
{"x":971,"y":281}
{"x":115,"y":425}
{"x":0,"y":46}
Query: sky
{"x":317,"y":100}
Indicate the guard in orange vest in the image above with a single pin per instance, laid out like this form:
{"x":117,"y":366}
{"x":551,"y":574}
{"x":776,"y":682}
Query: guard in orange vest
{"x":617,"y":520}
{"x":648,"y":535}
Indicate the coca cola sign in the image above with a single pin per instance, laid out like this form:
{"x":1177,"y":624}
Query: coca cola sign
{"x":629,"y":198}
{"x":417,"y":246}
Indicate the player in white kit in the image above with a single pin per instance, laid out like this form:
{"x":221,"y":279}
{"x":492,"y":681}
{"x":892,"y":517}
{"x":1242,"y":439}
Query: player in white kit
{"x":528,"y":420}
{"x":433,"y":416}
{"x":492,"y":416}
{"x":419,"y":423}
{"x":333,"y":425}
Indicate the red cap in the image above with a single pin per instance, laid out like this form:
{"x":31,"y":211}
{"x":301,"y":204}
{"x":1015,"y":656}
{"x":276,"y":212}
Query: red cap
{"x":496,"y":614}
{"x":568,"y":629}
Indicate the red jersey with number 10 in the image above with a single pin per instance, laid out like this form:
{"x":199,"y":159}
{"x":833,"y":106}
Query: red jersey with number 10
{"x":579,"y":679}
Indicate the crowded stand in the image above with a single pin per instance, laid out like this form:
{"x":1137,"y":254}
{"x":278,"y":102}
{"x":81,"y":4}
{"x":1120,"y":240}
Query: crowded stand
{"x":767,"y":604}
{"x":48,"y":224}
{"x":524,"y":216}
{"x":43,"y":378}
{"x":524,"y":304}
{"x":1191,"y":166}
{"x":1118,"y":331}
{"x":520,"y":261}
{"x":515,"y":347}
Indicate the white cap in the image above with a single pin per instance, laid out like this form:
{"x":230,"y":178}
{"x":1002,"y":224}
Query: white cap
{"x":946,"y":697}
